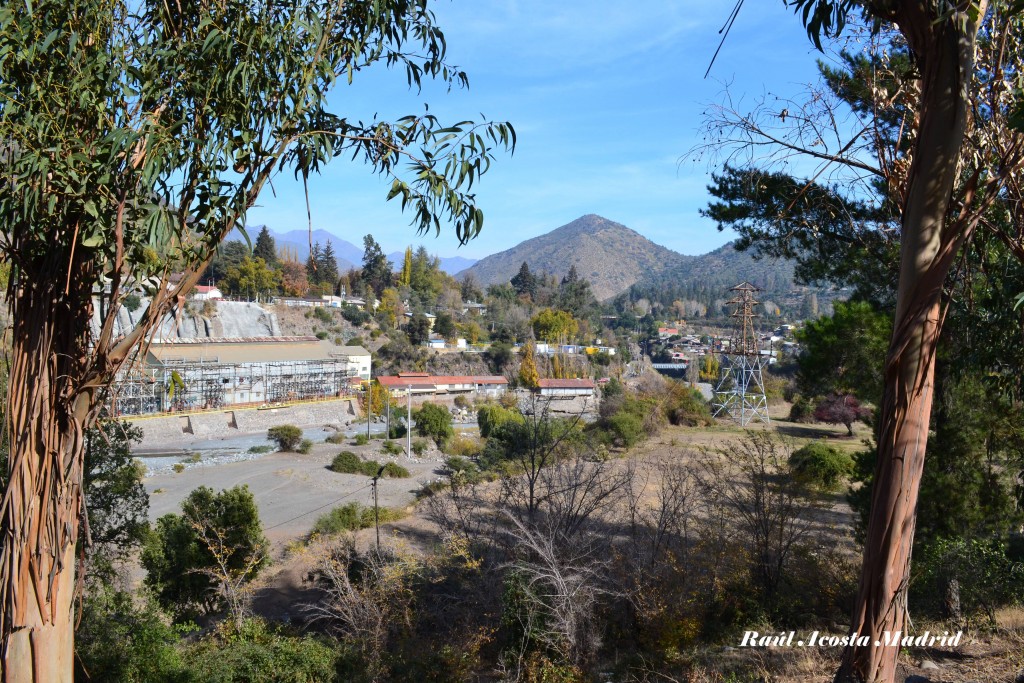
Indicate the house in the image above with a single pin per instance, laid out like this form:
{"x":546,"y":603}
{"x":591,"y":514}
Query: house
{"x":420,"y":383}
{"x":666,"y":332}
{"x":566,"y":388}
{"x":206,"y":292}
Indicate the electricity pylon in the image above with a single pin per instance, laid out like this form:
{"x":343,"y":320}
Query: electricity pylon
{"x":740,"y":391}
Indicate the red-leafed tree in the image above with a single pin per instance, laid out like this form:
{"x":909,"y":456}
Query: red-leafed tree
{"x":842,"y":409}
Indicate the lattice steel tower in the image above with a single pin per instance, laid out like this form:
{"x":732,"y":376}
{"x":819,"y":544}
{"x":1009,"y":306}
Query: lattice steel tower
{"x":740,"y":391}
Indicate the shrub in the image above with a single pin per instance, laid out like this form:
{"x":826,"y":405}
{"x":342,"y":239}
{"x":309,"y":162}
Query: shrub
{"x":321,"y":335}
{"x":198,"y":561}
{"x":260,"y":449}
{"x":820,"y":465}
{"x":801,"y":410}
{"x":976,"y":573}
{"x":118,"y":640}
{"x":626,"y":428}
{"x":419,"y":446}
{"x":353,"y":517}
{"x":491,"y":417}
{"x":686,"y":407}
{"x":287,"y":437}
{"x":323,"y":315}
{"x":397,"y":430}
{"x":179,"y":467}
{"x":356,"y":341}
{"x":361,"y":439}
{"x":392,"y":448}
{"x":305,"y":446}
{"x":461,"y":402}
{"x":347,"y":462}
{"x":464,"y":446}
{"x":393,"y":470}
{"x":434,"y":421}
{"x":258,"y":652}
{"x":336,"y":438}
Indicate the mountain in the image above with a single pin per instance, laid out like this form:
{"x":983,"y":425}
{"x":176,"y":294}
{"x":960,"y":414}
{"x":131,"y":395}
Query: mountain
{"x":608,"y":254}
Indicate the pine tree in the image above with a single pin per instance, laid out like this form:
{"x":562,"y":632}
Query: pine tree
{"x":264,"y":248}
{"x":327,"y":267}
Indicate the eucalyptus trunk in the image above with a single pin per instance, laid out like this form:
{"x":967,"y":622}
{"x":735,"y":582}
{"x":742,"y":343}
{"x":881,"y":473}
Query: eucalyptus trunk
{"x":47,"y":411}
{"x":944,"y":50}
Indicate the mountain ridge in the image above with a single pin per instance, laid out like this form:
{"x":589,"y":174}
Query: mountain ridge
{"x":611,"y":256}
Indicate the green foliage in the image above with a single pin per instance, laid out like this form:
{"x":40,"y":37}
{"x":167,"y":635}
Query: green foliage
{"x":820,"y":465}
{"x":348,"y":462}
{"x":625,"y":428}
{"x":444,"y":326}
{"x":323,"y":315}
{"x":132,"y":302}
{"x":419,"y":446}
{"x":802,"y":410}
{"x":685,"y":406}
{"x":287,"y":437}
{"x":264,"y":248}
{"x":491,"y":417}
{"x":987,"y":577}
{"x":260,"y":449}
{"x":392,"y":448}
{"x":121,"y":639}
{"x":336,"y":438}
{"x":554,"y":326}
{"x":499,"y":355}
{"x":418,"y":329}
{"x":260,"y":652}
{"x":116,"y":500}
{"x":353,"y":517}
{"x":845,"y":352}
{"x":434,"y":421}
{"x":397,"y":430}
{"x":251,"y":278}
{"x":304,"y":447}
{"x":181,"y":555}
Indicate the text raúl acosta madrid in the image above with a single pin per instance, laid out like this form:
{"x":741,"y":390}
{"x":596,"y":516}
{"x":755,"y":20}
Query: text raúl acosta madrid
{"x":818,"y":639}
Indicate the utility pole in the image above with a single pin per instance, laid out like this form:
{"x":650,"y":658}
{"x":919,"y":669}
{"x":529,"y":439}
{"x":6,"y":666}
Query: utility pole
{"x":408,"y":423}
{"x":368,"y":408}
{"x":376,"y":509}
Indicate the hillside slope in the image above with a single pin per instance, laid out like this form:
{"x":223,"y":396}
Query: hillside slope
{"x":608,"y":254}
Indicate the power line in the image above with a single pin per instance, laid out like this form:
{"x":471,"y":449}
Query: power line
{"x":309,"y":512}
{"x":726,"y":28}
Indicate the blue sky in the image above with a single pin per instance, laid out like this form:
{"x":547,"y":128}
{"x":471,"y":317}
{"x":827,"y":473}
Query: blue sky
{"x":605,"y":97}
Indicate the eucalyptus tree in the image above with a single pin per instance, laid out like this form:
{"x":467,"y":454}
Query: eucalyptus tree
{"x":134,"y":137}
{"x":909,"y":161}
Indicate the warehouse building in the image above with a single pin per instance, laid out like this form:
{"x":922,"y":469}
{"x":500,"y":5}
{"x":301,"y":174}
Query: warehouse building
{"x":204,"y":373}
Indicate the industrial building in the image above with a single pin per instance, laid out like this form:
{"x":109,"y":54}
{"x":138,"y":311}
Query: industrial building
{"x":421,"y":383}
{"x":204,"y":373}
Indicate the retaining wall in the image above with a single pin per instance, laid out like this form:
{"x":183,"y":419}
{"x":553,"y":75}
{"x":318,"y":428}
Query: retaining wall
{"x":171,"y":430}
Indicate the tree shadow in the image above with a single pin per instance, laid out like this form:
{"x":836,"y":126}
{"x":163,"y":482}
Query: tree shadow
{"x":797,"y":431}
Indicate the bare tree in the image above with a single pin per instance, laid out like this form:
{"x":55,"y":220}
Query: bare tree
{"x":367,"y":596}
{"x":752,"y":481}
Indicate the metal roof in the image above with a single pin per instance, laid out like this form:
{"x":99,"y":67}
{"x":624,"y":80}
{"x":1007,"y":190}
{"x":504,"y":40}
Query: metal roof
{"x":248,"y":350}
{"x":566,"y":384}
{"x":434,"y":380}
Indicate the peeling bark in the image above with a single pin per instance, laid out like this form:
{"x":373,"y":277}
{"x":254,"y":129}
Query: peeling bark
{"x":944,"y":50}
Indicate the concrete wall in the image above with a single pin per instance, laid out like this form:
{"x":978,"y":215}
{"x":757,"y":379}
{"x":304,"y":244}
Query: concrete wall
{"x":173,"y":430}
